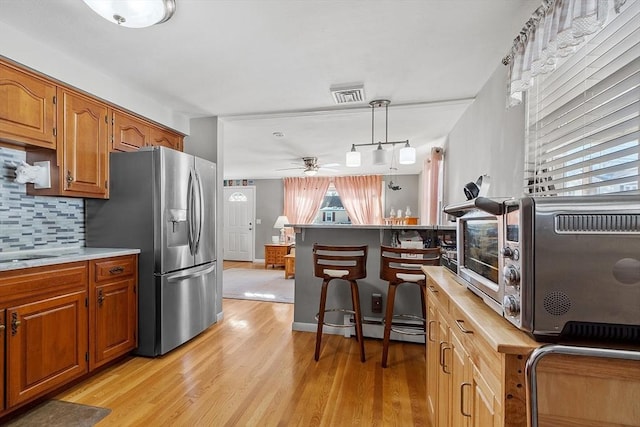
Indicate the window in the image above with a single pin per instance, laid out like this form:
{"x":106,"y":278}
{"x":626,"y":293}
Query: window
{"x":331,"y":211}
{"x":583,"y":119}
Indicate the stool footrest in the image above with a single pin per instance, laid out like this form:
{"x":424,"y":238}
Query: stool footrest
{"x":339,"y":310}
{"x":408,"y":327}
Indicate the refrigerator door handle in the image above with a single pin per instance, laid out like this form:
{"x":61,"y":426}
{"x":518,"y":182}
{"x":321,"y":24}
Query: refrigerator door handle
{"x":200,"y":212}
{"x":190,"y":219}
{"x":186,"y":274}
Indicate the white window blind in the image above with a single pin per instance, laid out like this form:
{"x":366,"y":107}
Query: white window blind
{"x":583,"y":119}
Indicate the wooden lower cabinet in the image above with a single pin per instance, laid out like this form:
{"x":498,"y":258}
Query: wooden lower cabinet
{"x":46,"y":345}
{"x":59,"y":322}
{"x":476,"y":370}
{"x":3,"y":333}
{"x":469,"y":383}
{"x":113,"y":308}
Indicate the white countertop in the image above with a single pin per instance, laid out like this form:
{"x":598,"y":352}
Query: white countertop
{"x":37,"y":258}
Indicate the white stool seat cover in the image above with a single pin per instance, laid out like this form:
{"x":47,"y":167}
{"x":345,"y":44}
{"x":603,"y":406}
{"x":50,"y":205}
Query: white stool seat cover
{"x":335,"y":273}
{"x":413,"y":278}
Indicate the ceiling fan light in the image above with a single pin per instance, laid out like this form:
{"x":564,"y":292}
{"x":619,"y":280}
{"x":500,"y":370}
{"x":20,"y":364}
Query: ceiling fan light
{"x":310,"y":172}
{"x":134,"y":13}
{"x":379,"y":155}
{"x":407,"y":155}
{"x":353,"y":158}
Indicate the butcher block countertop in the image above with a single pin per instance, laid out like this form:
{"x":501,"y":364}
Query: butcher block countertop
{"x":498,"y":332}
{"x":36,"y":258}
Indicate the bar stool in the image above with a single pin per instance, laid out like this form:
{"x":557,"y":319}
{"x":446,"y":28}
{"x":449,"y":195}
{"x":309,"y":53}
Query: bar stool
{"x":402,"y":265}
{"x":347,"y":263}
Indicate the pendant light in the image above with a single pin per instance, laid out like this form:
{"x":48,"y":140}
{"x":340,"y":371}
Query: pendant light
{"x":407,"y":155}
{"x":134,"y":13}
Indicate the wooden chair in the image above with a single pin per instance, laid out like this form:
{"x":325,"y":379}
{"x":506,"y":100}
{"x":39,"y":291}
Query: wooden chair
{"x":347,"y":263}
{"x":402,"y":265}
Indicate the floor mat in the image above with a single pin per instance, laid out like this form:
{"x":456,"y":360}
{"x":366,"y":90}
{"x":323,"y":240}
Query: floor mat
{"x":58,"y":413}
{"x":257,"y":284}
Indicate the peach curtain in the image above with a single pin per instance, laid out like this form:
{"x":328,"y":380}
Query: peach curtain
{"x":303,"y":197}
{"x":432,"y":173}
{"x":361,"y":196}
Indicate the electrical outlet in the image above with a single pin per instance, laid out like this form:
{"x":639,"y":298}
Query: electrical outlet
{"x":376,"y":303}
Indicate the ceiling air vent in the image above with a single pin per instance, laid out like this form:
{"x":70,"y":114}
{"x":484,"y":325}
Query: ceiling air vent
{"x":347,"y":95}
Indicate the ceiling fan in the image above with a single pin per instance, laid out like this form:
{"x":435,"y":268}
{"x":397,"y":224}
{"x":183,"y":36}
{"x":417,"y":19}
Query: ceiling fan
{"x":311,"y":167}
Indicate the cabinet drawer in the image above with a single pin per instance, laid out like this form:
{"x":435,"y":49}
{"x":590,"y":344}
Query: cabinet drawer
{"x":42,"y":281}
{"x":108,"y":269}
{"x":439,"y":295}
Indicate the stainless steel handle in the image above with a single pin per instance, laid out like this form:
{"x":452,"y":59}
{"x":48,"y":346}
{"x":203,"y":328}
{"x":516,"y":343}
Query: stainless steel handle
{"x":462,"y":386}
{"x":190,"y":232}
{"x":200,"y":211}
{"x":183,"y":275}
{"x":460,"y":324}
{"x":429,"y":330}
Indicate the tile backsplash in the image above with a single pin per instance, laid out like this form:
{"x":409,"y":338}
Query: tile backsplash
{"x":35,"y":222}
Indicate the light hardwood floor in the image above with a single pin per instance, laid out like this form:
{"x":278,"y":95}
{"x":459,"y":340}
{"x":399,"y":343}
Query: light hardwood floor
{"x":250,"y":369}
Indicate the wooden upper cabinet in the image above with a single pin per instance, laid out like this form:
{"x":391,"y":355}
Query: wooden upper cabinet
{"x":129,"y":132}
{"x":165,"y":138}
{"x":27,"y":110}
{"x":84,"y":137}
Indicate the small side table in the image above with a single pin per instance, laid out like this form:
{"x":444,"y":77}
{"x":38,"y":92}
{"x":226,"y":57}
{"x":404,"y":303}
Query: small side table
{"x":274,"y":253}
{"x":290,"y":265}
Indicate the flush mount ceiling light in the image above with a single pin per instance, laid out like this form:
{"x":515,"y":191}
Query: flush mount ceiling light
{"x":407,"y":153}
{"x":134,"y":13}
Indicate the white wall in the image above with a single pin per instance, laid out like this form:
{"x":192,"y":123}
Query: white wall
{"x":488,"y":139}
{"x":22,"y":48}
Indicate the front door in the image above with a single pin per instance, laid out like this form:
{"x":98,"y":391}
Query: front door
{"x":239,"y":223}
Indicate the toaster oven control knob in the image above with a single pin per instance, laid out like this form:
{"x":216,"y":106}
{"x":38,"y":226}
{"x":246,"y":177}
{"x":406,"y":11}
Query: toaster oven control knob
{"x":507,"y":252}
{"x":511,"y":275}
{"x":511,"y":306}
{"x":513,"y":254}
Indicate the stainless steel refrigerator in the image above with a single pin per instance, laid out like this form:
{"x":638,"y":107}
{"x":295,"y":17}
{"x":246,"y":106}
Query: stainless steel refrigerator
{"x":162,"y":201}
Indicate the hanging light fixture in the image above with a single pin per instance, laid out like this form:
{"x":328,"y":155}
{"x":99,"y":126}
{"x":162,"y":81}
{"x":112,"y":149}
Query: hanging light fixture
{"x":407,"y":153}
{"x":353,"y":157}
{"x":134,"y":13}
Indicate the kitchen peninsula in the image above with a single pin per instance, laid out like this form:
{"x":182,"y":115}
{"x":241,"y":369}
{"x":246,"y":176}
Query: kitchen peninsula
{"x":307,"y":286}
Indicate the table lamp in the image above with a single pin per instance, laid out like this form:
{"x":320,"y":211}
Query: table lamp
{"x":280,"y":222}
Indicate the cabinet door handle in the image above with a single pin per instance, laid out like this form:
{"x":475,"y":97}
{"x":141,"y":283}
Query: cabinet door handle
{"x":116,"y":269}
{"x":14,"y":323}
{"x":444,"y":361}
{"x":100,"y":297}
{"x":2,"y":327}
{"x":443,"y":364}
{"x":433,"y":289}
{"x":460,"y":324}
{"x":462,"y":386}
{"x":429,"y":330}
{"x":69,"y":178}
